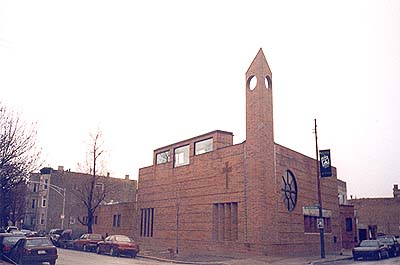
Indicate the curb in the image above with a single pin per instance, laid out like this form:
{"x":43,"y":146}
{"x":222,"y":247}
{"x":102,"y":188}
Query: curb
{"x":179,"y":261}
{"x":318,"y":262}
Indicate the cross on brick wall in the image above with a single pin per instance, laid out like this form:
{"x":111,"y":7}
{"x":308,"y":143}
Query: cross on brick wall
{"x":226,"y":170}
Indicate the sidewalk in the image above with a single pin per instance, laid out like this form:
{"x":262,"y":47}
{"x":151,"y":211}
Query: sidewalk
{"x":240,"y":260}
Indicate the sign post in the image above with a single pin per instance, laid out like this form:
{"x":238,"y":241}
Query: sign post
{"x":321,"y":228}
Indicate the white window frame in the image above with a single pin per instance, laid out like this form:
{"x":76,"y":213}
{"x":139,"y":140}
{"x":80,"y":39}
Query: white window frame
{"x":208,"y":146}
{"x":182,"y":156}
{"x":44,"y":201}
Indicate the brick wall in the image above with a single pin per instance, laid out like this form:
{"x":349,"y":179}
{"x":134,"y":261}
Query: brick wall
{"x":348,"y":226}
{"x":230,"y":200}
{"x":108,"y":223}
{"x":384,"y":213}
{"x":121,"y":190}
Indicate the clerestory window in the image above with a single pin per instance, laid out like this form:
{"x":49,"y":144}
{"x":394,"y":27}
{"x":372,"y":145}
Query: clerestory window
{"x":204,"y":146}
{"x":181,"y":156}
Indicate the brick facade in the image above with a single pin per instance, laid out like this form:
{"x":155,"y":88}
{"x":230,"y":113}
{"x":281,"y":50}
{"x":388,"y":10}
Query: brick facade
{"x":348,"y":226}
{"x":116,"y":219}
{"x":347,"y":218}
{"x":229,"y":198}
{"x":377,"y":216}
{"x":48,"y":216}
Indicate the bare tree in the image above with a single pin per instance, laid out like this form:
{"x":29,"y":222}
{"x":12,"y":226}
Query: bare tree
{"x":17,"y":202}
{"x":94,"y":191}
{"x":19,"y":156}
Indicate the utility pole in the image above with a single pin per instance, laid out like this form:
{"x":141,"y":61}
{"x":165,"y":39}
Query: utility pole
{"x":320,"y":217}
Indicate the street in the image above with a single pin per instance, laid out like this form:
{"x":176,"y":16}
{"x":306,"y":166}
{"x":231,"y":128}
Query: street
{"x":390,"y":261}
{"x":73,"y":257}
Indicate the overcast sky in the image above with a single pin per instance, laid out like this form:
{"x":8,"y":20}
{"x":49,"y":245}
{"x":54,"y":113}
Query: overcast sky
{"x":151,"y":73}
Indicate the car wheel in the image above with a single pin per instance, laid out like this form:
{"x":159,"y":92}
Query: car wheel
{"x":133,"y":255}
{"x":98,"y":250}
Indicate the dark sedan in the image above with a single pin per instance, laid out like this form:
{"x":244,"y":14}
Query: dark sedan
{"x":370,"y":249}
{"x":33,"y":250}
{"x":391,"y":242}
{"x":7,"y":241}
{"x":116,"y":245}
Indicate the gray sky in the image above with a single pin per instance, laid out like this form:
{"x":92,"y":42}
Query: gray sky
{"x":151,"y":73}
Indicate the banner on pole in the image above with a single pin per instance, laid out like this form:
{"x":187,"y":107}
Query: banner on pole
{"x":325,"y":163}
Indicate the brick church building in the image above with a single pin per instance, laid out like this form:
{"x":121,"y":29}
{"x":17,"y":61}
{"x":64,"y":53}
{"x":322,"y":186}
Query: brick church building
{"x":206,"y":194}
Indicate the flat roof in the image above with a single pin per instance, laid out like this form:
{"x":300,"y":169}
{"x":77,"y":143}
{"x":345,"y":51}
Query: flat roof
{"x":194,"y":138}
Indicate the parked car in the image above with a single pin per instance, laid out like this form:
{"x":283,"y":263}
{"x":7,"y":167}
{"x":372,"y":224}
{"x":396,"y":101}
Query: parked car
{"x":87,"y":242}
{"x":370,"y":249}
{"x":117,"y":245}
{"x":7,"y":241}
{"x":26,"y":231}
{"x":33,"y":234}
{"x":54,"y":234}
{"x":9,"y":229}
{"x":33,"y":250}
{"x":392,"y":243}
{"x":67,"y":237}
{"x":65,"y":240}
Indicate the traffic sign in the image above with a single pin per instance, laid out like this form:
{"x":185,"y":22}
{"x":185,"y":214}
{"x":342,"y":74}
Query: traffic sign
{"x":320,"y":223}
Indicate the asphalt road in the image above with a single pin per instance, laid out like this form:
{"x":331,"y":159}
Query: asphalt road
{"x":73,"y":257}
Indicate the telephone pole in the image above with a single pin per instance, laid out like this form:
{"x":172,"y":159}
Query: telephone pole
{"x":320,"y":222}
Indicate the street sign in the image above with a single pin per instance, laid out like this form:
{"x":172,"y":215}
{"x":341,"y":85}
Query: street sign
{"x":320,"y":223}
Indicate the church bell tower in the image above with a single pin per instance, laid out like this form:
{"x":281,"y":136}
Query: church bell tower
{"x":259,"y":155}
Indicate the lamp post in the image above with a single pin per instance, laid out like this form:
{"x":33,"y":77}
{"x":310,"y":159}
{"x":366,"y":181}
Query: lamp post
{"x":60,"y":191}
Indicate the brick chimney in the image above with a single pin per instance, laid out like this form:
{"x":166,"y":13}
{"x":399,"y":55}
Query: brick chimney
{"x":396,"y":191}
{"x":127,"y":177}
{"x":60,"y":168}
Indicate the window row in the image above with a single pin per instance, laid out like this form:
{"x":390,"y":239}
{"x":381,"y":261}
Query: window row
{"x":146,"y":222}
{"x":36,"y":186}
{"x":182,"y":153}
{"x":225,"y":221}
{"x":34,"y":202}
{"x":85,"y":220}
{"x":116,"y":220}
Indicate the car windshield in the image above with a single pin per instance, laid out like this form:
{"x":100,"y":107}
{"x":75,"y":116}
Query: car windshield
{"x":11,"y":240}
{"x":95,"y":237}
{"x":123,"y":239}
{"x":38,"y":242}
{"x":369,"y":243}
{"x":387,"y":240}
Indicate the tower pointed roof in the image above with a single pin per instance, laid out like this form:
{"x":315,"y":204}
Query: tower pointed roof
{"x":259,"y":65}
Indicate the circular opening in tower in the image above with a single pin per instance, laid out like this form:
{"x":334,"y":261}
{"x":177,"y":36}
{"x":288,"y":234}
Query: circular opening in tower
{"x":252,"y":82}
{"x":268,"y":82}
